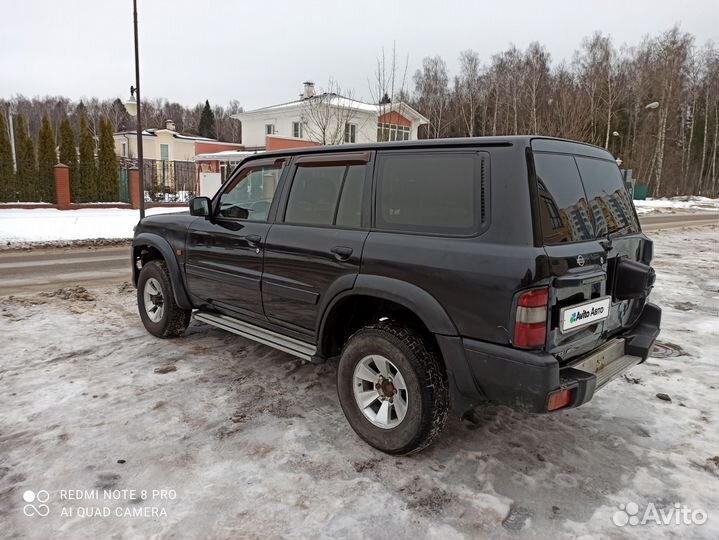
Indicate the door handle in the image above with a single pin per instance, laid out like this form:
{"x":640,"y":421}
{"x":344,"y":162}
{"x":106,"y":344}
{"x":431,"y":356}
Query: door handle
{"x":253,"y":239}
{"x":342,"y":253}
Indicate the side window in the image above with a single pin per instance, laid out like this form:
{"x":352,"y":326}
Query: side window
{"x":564,"y":211}
{"x":250,"y":195}
{"x":429,"y":192}
{"x":326,"y":195}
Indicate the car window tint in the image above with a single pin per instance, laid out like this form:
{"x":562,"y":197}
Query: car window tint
{"x":250,"y":195}
{"x":349,"y":213}
{"x":609,"y":199}
{"x":563,"y":207}
{"x":432,"y":192}
{"x":326,"y":196}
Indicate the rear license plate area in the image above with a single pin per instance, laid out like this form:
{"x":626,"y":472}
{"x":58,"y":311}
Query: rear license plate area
{"x":584,"y":314}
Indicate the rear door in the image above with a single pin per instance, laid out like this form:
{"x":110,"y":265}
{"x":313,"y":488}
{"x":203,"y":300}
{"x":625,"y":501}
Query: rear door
{"x":224,"y":254}
{"x":588,"y":225}
{"x":315,"y":246}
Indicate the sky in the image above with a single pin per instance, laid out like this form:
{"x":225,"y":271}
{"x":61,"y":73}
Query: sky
{"x":259,"y":52}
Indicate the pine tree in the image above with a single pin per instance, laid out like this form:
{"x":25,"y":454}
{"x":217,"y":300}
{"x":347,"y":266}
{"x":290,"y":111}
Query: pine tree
{"x":107,"y":166}
{"x":26,"y":166}
{"x":46,"y":160}
{"x":206,"y":127}
{"x":7,"y":174}
{"x":87,"y":170}
{"x":68,"y":154}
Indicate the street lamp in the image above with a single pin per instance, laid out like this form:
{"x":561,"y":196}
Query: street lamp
{"x":133,"y":108}
{"x":131,"y":104}
{"x":621,"y":142}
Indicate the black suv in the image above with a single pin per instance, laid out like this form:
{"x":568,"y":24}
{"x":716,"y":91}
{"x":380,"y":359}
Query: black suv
{"x":438,"y":273}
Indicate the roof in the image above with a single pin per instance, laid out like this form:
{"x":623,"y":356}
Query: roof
{"x":152,"y":132}
{"x":495,"y":141}
{"x":225,"y":155}
{"x":336,"y":100}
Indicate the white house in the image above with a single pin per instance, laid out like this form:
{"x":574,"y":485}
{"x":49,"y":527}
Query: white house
{"x":168,"y":144}
{"x":327,"y":118}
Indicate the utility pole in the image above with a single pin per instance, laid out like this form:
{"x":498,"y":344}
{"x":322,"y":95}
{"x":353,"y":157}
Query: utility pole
{"x":139,"y":116}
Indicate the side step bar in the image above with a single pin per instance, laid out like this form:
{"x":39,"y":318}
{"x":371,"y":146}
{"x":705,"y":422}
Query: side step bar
{"x":295,"y":347}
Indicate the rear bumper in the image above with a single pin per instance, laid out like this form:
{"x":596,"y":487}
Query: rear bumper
{"x":526,"y":380}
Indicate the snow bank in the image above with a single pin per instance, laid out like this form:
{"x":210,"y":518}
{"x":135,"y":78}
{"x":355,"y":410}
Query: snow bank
{"x":666,"y":205}
{"x":43,"y":225}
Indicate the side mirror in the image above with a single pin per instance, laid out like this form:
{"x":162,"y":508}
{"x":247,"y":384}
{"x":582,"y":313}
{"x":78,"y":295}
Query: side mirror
{"x":200,"y":206}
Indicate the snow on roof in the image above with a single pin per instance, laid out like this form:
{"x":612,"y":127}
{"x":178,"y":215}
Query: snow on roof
{"x":336,"y":100}
{"x":225,"y":155}
{"x":152,"y":132}
{"x":193,"y":137}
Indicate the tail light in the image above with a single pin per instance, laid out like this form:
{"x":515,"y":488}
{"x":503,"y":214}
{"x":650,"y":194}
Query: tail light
{"x":559,"y":400}
{"x":530,"y":327}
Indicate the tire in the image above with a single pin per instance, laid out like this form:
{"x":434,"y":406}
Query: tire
{"x":168,"y":320}
{"x":414,"y":365}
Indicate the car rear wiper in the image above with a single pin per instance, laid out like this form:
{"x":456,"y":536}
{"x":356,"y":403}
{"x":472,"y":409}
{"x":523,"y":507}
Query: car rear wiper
{"x":619,"y":232}
{"x":606,"y":242}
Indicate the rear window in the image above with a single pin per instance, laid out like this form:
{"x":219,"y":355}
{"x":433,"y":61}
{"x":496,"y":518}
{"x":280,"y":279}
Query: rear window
{"x":430,"y":192}
{"x":581,"y":198}
{"x":609,"y":199}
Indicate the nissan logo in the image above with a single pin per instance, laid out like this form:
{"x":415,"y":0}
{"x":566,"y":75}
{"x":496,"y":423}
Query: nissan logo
{"x":580,"y":260}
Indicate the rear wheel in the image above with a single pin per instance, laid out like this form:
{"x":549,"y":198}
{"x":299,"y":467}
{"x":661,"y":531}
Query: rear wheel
{"x":393,"y":388}
{"x":160,"y":314}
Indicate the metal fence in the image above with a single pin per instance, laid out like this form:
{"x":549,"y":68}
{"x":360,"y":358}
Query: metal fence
{"x":166,"y":181}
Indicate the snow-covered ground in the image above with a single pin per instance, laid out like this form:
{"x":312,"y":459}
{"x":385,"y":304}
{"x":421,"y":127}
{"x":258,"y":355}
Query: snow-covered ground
{"x":674,"y":204}
{"x":254,"y":444}
{"x":48,"y":224}
{"x":20,"y":227}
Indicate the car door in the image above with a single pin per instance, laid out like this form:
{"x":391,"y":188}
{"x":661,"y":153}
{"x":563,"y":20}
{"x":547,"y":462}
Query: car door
{"x":315,"y":246}
{"x":224,"y":253}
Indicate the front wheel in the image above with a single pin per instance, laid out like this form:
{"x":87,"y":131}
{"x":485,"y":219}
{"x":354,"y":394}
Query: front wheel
{"x":393,"y":388}
{"x":160,"y":314}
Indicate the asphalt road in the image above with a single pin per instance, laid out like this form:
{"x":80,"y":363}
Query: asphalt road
{"x":49,"y":269}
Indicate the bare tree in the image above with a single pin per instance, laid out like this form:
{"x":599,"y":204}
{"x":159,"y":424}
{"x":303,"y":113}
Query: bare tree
{"x":326,"y":115}
{"x":468,"y":90}
{"x":388,"y":88}
{"x":433,"y":94}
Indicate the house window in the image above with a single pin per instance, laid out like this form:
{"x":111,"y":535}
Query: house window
{"x":124,"y":149}
{"x":165,"y":151}
{"x":392,"y":132}
{"x":297,"y":130}
{"x":350,"y":133}
{"x":269,"y":129}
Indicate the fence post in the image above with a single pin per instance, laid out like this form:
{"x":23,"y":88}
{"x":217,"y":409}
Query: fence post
{"x":62,"y":186}
{"x":133,"y":187}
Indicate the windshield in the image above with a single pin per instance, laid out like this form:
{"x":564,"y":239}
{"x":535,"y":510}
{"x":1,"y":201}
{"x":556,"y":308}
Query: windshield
{"x":581,"y":198}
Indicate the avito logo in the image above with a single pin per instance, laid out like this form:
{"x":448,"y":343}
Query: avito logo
{"x":580,"y":315}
